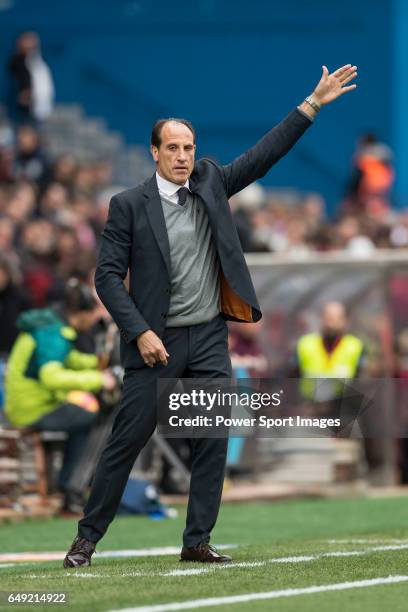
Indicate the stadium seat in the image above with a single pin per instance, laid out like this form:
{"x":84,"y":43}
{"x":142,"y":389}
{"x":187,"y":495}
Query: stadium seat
{"x":24,"y":467}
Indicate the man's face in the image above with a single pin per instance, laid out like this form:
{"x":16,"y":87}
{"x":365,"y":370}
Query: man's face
{"x":27,"y":139}
{"x":175,"y":156}
{"x":334,"y":321}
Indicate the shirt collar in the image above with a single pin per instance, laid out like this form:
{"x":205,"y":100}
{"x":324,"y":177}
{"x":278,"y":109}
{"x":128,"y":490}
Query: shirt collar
{"x":167,"y":187}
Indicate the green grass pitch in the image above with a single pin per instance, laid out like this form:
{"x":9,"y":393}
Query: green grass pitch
{"x":261,"y":531}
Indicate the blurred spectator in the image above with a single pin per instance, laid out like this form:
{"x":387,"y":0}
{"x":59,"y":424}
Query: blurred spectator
{"x":324,"y":361}
{"x":246,"y":350}
{"x":13,"y":301}
{"x":296,"y":238}
{"x":350,"y":237}
{"x":38,"y":243}
{"x":7,"y":234}
{"x":64,"y":170}
{"x":84,"y":181}
{"x":54,"y":201}
{"x":249,"y":199}
{"x":248,"y":362}
{"x":30,"y":163}
{"x":101,"y":209}
{"x":20,"y":206}
{"x":372,"y":177}
{"x":33,"y":81}
{"x":332,"y":352}
{"x":6,"y":153}
{"x":103,"y":173}
{"x":314,"y":212}
{"x":50,"y":385}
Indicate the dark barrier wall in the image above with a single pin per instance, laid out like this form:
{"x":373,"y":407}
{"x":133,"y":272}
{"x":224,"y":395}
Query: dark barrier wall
{"x":233,"y":67}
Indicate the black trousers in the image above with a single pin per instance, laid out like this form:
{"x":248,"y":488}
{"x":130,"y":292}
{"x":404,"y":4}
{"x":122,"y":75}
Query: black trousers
{"x":197,"y":351}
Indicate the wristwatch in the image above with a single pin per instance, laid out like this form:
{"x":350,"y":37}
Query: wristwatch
{"x":312,"y":103}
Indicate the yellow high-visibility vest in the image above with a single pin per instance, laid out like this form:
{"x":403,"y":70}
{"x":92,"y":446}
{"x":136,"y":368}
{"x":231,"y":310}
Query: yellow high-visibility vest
{"x":315,"y":362}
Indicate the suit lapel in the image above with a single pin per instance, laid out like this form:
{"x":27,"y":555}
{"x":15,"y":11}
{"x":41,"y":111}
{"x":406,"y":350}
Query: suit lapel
{"x":208,"y":203}
{"x":155,"y":215}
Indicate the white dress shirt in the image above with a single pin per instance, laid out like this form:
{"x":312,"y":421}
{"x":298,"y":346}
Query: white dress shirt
{"x":168,"y":188}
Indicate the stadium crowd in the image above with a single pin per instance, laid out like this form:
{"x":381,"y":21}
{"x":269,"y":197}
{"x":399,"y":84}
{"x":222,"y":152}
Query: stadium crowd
{"x":52,"y":212}
{"x":290,"y":222}
{"x":51,"y":215}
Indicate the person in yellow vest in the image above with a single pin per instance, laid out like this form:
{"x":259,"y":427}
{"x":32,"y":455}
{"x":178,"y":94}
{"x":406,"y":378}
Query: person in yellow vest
{"x":329,"y":354}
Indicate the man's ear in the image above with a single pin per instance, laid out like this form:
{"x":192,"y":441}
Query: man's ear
{"x":155,"y":153}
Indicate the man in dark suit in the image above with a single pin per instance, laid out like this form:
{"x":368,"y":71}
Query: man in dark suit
{"x":188,"y":274}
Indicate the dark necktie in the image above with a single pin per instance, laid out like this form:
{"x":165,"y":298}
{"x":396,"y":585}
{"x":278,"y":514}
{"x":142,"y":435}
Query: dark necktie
{"x":182,"y":195}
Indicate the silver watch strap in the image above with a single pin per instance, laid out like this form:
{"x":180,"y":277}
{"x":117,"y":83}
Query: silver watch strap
{"x":312,"y":103}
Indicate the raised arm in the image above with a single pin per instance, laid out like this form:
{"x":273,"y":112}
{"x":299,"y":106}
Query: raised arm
{"x":256,"y":162}
{"x":111,"y":271}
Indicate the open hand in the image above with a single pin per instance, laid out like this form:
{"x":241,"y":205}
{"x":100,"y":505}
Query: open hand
{"x":333,"y":85}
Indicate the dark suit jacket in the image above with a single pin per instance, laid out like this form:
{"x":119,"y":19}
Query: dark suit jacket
{"x":135,"y":238}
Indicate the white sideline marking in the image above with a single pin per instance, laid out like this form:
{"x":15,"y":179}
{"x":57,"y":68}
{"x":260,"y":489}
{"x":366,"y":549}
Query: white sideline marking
{"x":231,"y":599}
{"x":383,"y":541}
{"x":80,"y":574}
{"x":109,"y":554}
{"x":338,"y":553}
{"x":206,"y":570}
{"x":189,"y":572}
{"x":226,"y":566}
{"x":6,"y":565}
{"x":297,"y":559}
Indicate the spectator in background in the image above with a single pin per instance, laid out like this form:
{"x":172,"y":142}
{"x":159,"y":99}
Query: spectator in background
{"x":372,"y":178}
{"x":248,"y":361}
{"x":21,"y":75}
{"x":82,"y":207}
{"x":332,"y":351}
{"x":30,"y":163}
{"x":296,"y":238}
{"x":7,"y":234}
{"x":20,"y":205}
{"x":103,"y":174}
{"x":32,"y":78}
{"x":326,"y":356}
{"x":246,"y":350}
{"x":67,"y":250}
{"x":242,"y":205}
{"x":6,"y":153}
{"x":50,"y":385}
{"x":54,"y":202}
{"x":13,"y":301}
{"x":313,"y":208}
{"x":38,"y":242}
{"x":64,"y":170}
{"x":84,"y":180}
{"x":101,"y":209}
{"x":350,"y":236}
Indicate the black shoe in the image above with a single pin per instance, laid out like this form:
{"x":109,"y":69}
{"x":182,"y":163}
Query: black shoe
{"x":80,"y":553}
{"x":205,"y":553}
